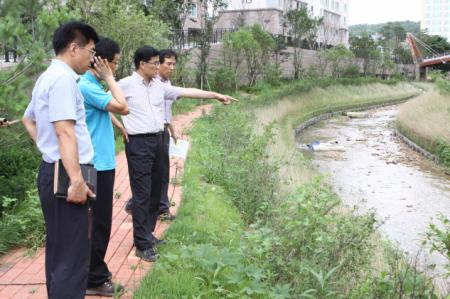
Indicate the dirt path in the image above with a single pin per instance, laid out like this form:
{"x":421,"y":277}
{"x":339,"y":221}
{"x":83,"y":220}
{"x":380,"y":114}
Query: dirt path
{"x":22,"y":276}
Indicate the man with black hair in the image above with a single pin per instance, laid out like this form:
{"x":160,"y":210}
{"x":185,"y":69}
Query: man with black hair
{"x":145,"y":125}
{"x":56,"y":121}
{"x":167,"y":60}
{"x":98,"y":105}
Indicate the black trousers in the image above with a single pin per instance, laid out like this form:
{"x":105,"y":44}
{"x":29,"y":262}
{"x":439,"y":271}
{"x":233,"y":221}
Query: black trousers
{"x":102,"y":209}
{"x":145,"y":171}
{"x":67,"y":242}
{"x":164,"y":205}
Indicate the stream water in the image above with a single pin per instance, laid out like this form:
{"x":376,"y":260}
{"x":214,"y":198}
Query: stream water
{"x":377,"y":171}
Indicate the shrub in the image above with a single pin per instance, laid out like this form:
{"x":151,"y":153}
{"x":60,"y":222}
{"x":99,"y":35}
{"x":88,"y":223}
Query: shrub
{"x":319,"y":247}
{"x":223,"y":80}
{"x":272,"y":74}
{"x":443,"y":152}
{"x":22,"y":222}
{"x":351,"y":71}
{"x":18,"y":166}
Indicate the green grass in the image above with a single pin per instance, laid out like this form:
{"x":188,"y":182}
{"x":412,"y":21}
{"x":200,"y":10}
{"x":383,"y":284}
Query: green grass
{"x":206,"y":216}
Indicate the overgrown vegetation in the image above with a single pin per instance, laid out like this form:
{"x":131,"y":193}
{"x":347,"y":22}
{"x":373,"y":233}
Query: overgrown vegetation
{"x":275,"y":243}
{"x":27,"y":26}
{"x":438,"y":237}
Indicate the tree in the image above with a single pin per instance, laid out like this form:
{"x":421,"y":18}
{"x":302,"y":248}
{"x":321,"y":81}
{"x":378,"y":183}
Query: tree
{"x":250,"y":45}
{"x":339,"y":58}
{"x":393,"y":40}
{"x":125,"y":22}
{"x":301,"y":25}
{"x":392,"y":34}
{"x":363,"y":47}
{"x":27,"y":26}
{"x":209,"y":12}
{"x":436,"y":42}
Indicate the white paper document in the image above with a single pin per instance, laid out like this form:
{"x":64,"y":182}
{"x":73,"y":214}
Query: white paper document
{"x":180,"y":149}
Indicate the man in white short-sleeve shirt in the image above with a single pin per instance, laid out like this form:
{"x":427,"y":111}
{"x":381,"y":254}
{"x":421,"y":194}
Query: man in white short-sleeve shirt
{"x":145,"y":125}
{"x":56,"y":121}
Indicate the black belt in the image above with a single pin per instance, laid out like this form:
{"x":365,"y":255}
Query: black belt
{"x":53,"y":163}
{"x":146,"y":134}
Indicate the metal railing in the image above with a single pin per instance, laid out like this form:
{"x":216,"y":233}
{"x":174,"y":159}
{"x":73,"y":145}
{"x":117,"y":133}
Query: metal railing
{"x":192,"y":38}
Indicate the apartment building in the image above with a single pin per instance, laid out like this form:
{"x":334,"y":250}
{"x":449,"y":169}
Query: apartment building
{"x":269,"y":13}
{"x":436,"y":17}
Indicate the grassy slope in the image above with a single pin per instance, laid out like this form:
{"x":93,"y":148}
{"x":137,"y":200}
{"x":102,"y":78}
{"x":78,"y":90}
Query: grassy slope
{"x":426,"y":121}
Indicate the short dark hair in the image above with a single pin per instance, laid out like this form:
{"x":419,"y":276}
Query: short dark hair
{"x":144,"y":53}
{"x":69,"y":32}
{"x":106,"y":48}
{"x":167,"y":53}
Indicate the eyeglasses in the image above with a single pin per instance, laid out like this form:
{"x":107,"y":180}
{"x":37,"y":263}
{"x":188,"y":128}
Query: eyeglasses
{"x":155,"y":63}
{"x":92,"y":51}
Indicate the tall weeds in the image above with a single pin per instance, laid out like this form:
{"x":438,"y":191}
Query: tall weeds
{"x":293,"y":243}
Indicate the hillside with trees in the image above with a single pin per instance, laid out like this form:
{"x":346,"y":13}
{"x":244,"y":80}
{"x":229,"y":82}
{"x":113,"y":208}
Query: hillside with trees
{"x":359,"y":29}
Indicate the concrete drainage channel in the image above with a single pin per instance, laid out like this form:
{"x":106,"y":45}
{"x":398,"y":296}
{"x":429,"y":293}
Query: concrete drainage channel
{"x":315,"y":120}
{"x":379,"y":172}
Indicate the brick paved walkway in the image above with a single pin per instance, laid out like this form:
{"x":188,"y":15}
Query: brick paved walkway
{"x":23,"y":276}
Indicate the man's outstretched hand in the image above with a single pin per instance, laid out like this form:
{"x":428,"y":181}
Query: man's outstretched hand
{"x":225,"y":99}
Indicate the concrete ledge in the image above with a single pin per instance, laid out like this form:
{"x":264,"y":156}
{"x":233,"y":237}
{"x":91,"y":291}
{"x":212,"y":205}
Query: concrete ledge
{"x":314,"y":120}
{"x":415,"y":147}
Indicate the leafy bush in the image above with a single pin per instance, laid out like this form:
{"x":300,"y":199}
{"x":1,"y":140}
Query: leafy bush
{"x":272,"y":74}
{"x":443,"y":152}
{"x":438,"y":237}
{"x":351,"y":71}
{"x":22,"y":222}
{"x":18,"y":166}
{"x":223,"y":80}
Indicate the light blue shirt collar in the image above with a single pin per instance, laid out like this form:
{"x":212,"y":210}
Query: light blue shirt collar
{"x":61,"y":64}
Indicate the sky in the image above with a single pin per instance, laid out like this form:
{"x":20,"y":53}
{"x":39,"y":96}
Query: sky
{"x":381,"y":11}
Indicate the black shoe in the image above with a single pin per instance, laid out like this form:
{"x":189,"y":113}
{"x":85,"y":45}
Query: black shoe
{"x":108,"y":289}
{"x":166,"y":216}
{"x":157,"y":241}
{"x":148,"y":255}
{"x":129,"y":206}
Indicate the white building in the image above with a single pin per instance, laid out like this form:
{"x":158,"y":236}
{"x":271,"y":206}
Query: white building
{"x":436,"y":17}
{"x":269,"y":13}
